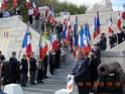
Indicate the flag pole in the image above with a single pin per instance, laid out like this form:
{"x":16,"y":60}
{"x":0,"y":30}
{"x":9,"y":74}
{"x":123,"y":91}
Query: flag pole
{"x":20,"y":52}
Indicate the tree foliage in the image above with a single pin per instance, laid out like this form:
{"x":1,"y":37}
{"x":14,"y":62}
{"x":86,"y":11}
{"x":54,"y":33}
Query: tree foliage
{"x":58,"y":7}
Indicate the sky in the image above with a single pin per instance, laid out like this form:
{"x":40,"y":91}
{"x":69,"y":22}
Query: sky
{"x":115,"y":3}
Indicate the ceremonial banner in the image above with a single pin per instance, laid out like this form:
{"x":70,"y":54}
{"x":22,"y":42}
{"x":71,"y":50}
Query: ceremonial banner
{"x":70,"y":83}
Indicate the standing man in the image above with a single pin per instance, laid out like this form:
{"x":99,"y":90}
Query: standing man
{"x":81,"y":73}
{"x":13,"y":67}
{"x":37,"y":20}
{"x":33,"y":68}
{"x":30,"y":13}
{"x":59,"y":28}
{"x":24,"y":71}
{"x":42,"y":22}
{"x":2,"y":57}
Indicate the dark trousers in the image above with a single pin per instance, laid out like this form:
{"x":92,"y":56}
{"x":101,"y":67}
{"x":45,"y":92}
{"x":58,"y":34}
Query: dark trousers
{"x":32,"y":77}
{"x":51,"y":68}
{"x":12,"y":77}
{"x":23,"y":78}
{"x":42,"y":27}
{"x":83,"y":89}
{"x":30,"y":19}
{"x":57,"y":62}
{"x":39,"y":75}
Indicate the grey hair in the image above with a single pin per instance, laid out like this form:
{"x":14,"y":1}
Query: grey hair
{"x":80,"y":52}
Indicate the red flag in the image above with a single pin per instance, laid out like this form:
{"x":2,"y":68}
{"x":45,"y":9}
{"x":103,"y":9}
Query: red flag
{"x":28,"y":3}
{"x":119,"y":21}
{"x":6,"y":3}
{"x":14,"y":3}
{"x":2,"y":4}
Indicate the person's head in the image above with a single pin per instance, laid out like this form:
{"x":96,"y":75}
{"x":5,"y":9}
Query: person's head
{"x":24,"y":56}
{"x":32,"y":54}
{"x":95,"y":46}
{"x":79,"y":55}
{"x":13,"y":54}
{"x":59,"y":22}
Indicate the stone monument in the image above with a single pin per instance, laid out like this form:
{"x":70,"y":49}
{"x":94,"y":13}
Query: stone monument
{"x":105,"y":5}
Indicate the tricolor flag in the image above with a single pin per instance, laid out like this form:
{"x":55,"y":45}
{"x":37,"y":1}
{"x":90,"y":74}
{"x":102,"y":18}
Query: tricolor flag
{"x":6,"y":3}
{"x":2,"y":4}
{"x":119,"y":20}
{"x":70,"y":83}
{"x":28,"y":3}
{"x":80,"y":39}
{"x":35,"y":8}
{"x":86,"y":38}
{"x":53,"y":18}
{"x":123,"y":13}
{"x":68,"y":32}
{"x":49,"y":14}
{"x":110,"y":28}
{"x":14,"y":3}
{"x":96,"y":26}
{"x":75,"y":37}
{"x":55,"y":42}
{"x":65,"y":19}
{"x":5,"y":34}
{"x":44,"y":44}
{"x":27,"y":42}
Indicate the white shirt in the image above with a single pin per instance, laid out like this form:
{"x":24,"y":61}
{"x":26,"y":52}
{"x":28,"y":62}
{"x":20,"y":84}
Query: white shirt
{"x":30,"y":12}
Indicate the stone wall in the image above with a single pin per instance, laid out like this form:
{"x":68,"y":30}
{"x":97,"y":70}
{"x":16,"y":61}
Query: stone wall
{"x":16,"y":30}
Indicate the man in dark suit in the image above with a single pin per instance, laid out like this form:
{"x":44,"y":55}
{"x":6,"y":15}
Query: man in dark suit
{"x":24,"y":70}
{"x":13,"y":68}
{"x":81,"y":73}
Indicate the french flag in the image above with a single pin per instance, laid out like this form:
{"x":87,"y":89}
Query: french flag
{"x":49,"y":14}
{"x":75,"y":37}
{"x":110,"y":28}
{"x":14,"y":3}
{"x":26,"y":42}
{"x":6,"y":3}
{"x":2,"y":4}
{"x":44,"y":45}
{"x":80,"y":39}
{"x":55,"y":42}
{"x":5,"y":34}
{"x":65,"y":19}
{"x":119,"y":21}
{"x":96,"y":26}
{"x":53,"y":18}
{"x":35,"y":8}
{"x":28,"y":3}
{"x":68,"y":31}
{"x":86,"y":38}
{"x":123,"y":13}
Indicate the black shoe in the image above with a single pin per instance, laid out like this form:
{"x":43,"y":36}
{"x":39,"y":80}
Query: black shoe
{"x":23,"y":85}
{"x":33,"y":83}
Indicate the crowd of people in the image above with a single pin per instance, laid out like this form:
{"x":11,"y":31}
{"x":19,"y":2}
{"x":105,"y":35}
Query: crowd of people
{"x":16,"y":71}
{"x":9,"y":12}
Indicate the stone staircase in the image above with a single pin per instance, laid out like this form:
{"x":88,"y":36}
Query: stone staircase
{"x":55,"y":82}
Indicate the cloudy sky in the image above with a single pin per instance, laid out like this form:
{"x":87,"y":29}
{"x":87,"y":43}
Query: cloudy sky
{"x":116,"y":3}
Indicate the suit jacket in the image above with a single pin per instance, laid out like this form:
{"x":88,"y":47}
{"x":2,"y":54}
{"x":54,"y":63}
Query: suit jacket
{"x":13,"y":64}
{"x":81,"y":70}
{"x":24,"y":64}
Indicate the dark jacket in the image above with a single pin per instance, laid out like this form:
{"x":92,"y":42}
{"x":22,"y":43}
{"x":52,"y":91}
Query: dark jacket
{"x":2,"y":57}
{"x":102,"y":45}
{"x":113,"y":39}
{"x":33,"y":65}
{"x":121,"y":37}
{"x":59,"y":28}
{"x":81,"y":70}
{"x":24,"y":64}
{"x":13,"y":64}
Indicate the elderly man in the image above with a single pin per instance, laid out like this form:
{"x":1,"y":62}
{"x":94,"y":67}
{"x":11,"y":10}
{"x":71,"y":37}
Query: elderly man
{"x":81,"y":73}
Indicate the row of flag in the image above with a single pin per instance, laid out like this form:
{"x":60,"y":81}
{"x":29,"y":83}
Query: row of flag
{"x":43,"y":46}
